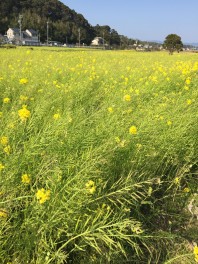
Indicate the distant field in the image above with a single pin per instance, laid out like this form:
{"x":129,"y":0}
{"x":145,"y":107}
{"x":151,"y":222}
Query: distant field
{"x":98,"y":156}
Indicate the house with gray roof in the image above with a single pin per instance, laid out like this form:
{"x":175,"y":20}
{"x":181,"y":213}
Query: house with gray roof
{"x":28,"y":37}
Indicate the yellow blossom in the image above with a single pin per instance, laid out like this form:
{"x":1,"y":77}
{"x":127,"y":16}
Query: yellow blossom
{"x":127,"y":98}
{"x":25,"y":178}
{"x":186,"y":190}
{"x":195,"y":251}
{"x":4,"y":140}
{"x":23,"y":81}
{"x":189,"y":101}
{"x":169,"y":123}
{"x":3,"y":213}
{"x":90,"y":186}
{"x":43,"y":195}
{"x":110,"y":109}
{"x":186,"y":87}
{"x":188,"y":81}
{"x":133,"y":130}
{"x":177,"y":180}
{"x":1,"y":166}
{"x":56,"y":116}
{"x":6,"y":100}
{"x":24,"y":113}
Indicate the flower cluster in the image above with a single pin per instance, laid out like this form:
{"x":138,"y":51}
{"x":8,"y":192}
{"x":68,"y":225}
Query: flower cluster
{"x":25,"y":178}
{"x":196,"y":253}
{"x":1,"y":166}
{"x":90,"y":187}
{"x":3,"y":213}
{"x":56,"y":116}
{"x":43,"y":195}
{"x":6,"y":100}
{"x":24,"y":113}
{"x":23,"y":81}
{"x":133,"y":130}
{"x":4,"y":142}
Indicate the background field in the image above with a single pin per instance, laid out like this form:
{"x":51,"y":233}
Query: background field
{"x":98,"y":156}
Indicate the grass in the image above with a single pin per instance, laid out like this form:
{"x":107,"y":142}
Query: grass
{"x":98,"y":156}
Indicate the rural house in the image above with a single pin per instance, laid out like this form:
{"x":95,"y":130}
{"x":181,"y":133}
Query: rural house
{"x":28,"y":37}
{"x":97,"y":41}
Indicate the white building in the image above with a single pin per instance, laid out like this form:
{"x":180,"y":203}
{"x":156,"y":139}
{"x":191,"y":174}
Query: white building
{"x":97,"y":41}
{"x":28,"y":37}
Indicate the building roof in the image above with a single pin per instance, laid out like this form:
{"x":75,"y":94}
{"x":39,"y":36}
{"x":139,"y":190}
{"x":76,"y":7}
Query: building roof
{"x":33,"y":32}
{"x":16,"y":30}
{"x":25,"y":34}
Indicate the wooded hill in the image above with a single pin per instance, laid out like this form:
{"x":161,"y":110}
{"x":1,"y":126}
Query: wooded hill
{"x":64,"y":23}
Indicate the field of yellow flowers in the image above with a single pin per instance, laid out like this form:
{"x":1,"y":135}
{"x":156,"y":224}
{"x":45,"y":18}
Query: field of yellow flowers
{"x":98,"y":157}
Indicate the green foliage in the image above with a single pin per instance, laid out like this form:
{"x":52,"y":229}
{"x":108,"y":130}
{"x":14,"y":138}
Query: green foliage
{"x":77,"y":184}
{"x":173,"y":43}
{"x":63,"y":22}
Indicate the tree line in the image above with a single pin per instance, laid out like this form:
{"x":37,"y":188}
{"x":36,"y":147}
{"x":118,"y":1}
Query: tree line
{"x":64,"y":23}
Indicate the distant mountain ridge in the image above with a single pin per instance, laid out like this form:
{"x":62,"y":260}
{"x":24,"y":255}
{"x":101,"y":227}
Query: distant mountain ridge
{"x":195,"y":44}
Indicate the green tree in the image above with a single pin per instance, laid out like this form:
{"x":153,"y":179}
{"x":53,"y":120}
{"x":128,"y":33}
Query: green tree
{"x":173,"y":43}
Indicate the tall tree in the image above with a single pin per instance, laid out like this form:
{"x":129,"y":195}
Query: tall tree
{"x":173,"y":43}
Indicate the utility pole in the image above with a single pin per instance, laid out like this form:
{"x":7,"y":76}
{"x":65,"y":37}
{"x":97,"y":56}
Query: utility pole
{"x":47,"y":33}
{"x":79,"y":36}
{"x":20,"y":26}
{"x":39,"y":38}
{"x":103,"y":39}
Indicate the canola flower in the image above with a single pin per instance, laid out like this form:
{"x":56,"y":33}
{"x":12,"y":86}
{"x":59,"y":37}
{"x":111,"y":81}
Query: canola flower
{"x":1,"y":166}
{"x":188,"y":81}
{"x":3,"y":213}
{"x":6,"y":100}
{"x":127,"y":98}
{"x":4,"y":140}
{"x":43,"y":195}
{"x":186,"y":190}
{"x":186,"y":88}
{"x":169,"y":123}
{"x":24,"y":113}
{"x":90,"y":187}
{"x":133,"y":130}
{"x":195,"y":251}
{"x":189,"y":101}
{"x":23,"y":81}
{"x":177,"y":180}
{"x":110,"y":109}
{"x":25,"y":178}
{"x":56,"y":116}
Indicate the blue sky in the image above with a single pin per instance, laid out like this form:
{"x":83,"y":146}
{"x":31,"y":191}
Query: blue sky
{"x":142,"y":19}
